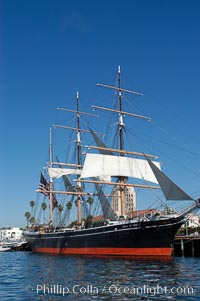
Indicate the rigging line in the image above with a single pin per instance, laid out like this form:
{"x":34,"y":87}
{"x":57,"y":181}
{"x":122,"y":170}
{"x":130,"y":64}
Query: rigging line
{"x":99,"y":204}
{"x":173,"y":145}
{"x":112,"y":131}
{"x":156,"y":198}
{"x":162,"y":203}
{"x":173,"y":160}
{"x":156,"y":100}
{"x":173,"y":137}
{"x":134,"y":106}
{"x":96,"y":208}
{"x":156,"y":195}
{"x":183,"y":166}
{"x":193,"y":129}
{"x":111,"y":122}
{"x":115,"y":140}
{"x":131,"y":84}
{"x":196,"y":192}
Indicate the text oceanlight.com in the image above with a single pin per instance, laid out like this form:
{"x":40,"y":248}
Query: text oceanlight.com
{"x":111,"y":289}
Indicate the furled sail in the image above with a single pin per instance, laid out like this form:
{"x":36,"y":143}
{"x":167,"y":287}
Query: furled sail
{"x":100,"y":144}
{"x":66,"y":180}
{"x":108,"y":212}
{"x":59,"y":172}
{"x":103,"y":152}
{"x":170,"y":190}
{"x":70,"y":188}
{"x":99,"y":165}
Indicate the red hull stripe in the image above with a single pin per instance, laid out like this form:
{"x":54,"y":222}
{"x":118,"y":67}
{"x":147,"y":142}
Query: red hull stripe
{"x":107,"y":251}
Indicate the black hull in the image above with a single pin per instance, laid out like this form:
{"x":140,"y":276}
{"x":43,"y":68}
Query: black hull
{"x":142,"y":238}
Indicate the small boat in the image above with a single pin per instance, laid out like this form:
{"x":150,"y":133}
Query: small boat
{"x":4,"y":248}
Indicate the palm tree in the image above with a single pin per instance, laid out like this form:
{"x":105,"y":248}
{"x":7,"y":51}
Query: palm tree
{"x":32,"y":204}
{"x":27,"y":216}
{"x":60,"y":209}
{"x":44,"y":206}
{"x":90,"y":202}
{"x":69,"y":205}
{"x":32,"y":220}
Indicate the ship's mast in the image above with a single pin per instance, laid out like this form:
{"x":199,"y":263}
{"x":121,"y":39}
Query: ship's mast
{"x":78,"y":146}
{"x":79,"y":193}
{"x":51,"y":181}
{"x":121,"y":151}
{"x":121,"y":143}
{"x":121,"y":123}
{"x":78,"y":130}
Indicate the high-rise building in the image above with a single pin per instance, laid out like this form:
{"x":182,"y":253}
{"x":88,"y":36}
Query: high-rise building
{"x":130,"y":200}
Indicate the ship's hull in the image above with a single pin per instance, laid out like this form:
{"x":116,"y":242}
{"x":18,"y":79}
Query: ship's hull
{"x":147,"y":238}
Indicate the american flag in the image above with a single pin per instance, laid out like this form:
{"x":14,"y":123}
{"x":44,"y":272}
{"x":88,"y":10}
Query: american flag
{"x":44,"y":188}
{"x":44,"y":185}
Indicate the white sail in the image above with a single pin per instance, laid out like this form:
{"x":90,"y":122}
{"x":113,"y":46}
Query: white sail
{"x":59,"y":172}
{"x":99,"y":165}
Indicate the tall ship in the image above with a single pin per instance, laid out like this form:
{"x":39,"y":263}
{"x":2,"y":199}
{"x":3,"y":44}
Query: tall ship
{"x":100,"y":183}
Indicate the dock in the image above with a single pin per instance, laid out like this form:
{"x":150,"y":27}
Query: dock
{"x":10,"y":245}
{"x":187,"y":246}
{"x":21,"y":247}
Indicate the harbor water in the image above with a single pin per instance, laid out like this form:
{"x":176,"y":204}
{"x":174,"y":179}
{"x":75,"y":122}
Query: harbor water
{"x":28,"y":276}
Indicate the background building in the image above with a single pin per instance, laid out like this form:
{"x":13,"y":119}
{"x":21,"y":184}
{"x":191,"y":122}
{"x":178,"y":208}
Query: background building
{"x":130,"y":200}
{"x":192,"y":226}
{"x":193,"y":221}
{"x":11,"y":233}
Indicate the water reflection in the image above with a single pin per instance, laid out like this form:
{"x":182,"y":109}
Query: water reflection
{"x":99,"y":278}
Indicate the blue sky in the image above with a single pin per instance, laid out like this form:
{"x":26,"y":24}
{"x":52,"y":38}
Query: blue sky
{"x":51,"y":49}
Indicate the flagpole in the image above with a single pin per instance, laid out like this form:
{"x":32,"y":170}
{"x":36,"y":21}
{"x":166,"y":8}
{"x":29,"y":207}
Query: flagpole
{"x":51,"y":181}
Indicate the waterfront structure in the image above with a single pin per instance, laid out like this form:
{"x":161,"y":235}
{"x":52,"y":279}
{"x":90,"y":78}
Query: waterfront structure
{"x":187,"y":245}
{"x":192,"y":225}
{"x":193,"y":221}
{"x":11,"y":233}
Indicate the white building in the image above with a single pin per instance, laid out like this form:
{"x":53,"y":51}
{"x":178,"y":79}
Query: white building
{"x":11,"y":233}
{"x":130,"y":200}
{"x":193,"y":221}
